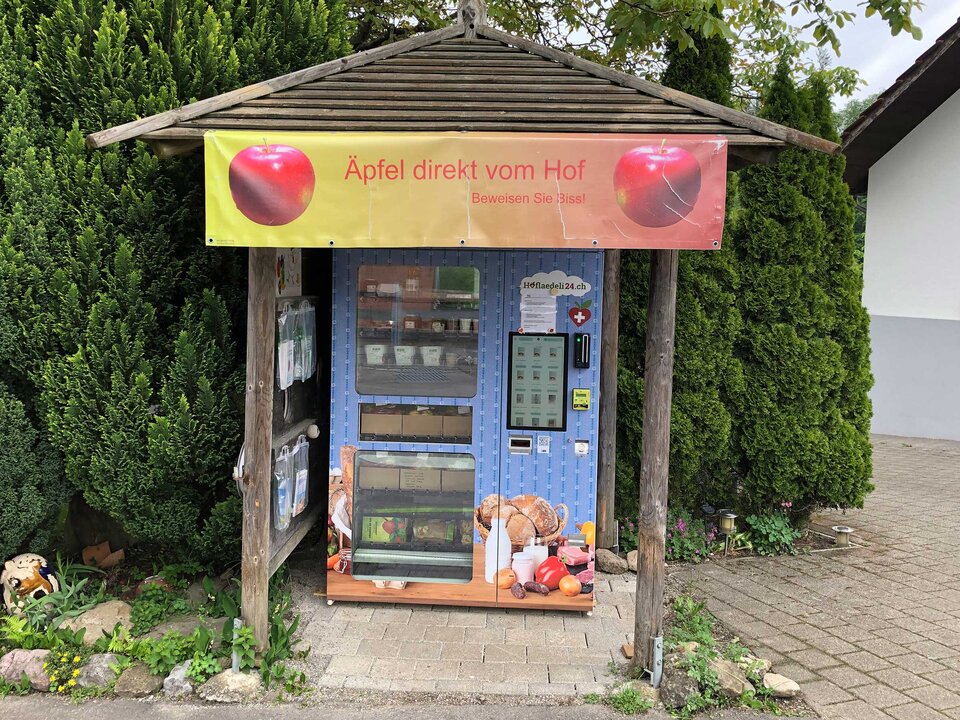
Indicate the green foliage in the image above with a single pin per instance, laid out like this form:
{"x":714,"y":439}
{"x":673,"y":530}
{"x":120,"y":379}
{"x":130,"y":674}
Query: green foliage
{"x":81,"y":588}
{"x":244,"y":644}
{"x":707,"y":375}
{"x":628,"y":701}
{"x":154,"y":605}
{"x":20,"y":688}
{"x":17,"y":632}
{"x":691,"y":623}
{"x":117,"y":325}
{"x":63,"y":667}
{"x":772,"y":534}
{"x":804,"y":413}
{"x":203,"y":666}
{"x":688,"y":539}
{"x":32,"y":487}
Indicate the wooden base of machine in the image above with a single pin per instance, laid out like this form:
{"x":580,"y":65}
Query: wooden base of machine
{"x":477,"y":593}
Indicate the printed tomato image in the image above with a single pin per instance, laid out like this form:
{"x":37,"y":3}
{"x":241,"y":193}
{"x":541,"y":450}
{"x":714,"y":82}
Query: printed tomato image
{"x":657,"y":186}
{"x":271,"y":184}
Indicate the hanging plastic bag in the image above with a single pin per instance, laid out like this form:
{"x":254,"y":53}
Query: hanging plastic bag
{"x":307,"y":339}
{"x":283,"y":489}
{"x":301,"y":465}
{"x":285,"y":347}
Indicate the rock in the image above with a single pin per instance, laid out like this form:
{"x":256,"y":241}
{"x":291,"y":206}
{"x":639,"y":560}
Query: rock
{"x":687,"y":647}
{"x":186,"y":624}
{"x":733,"y":682}
{"x":231,"y":687}
{"x":753,"y":665}
{"x":632,"y":561}
{"x":177,"y":684}
{"x":782,"y":687}
{"x":196,"y":595}
{"x":97,"y":672}
{"x":101,"y":620}
{"x":676,"y":687}
{"x":610,"y":562}
{"x":16,"y":663}
{"x":137,"y":681}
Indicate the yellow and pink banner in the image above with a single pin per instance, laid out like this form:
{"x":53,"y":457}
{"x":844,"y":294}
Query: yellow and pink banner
{"x":500,"y":190}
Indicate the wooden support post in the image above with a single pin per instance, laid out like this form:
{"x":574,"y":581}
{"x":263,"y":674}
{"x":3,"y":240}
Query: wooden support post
{"x":258,"y":409}
{"x":609,"y":348}
{"x":655,"y":454}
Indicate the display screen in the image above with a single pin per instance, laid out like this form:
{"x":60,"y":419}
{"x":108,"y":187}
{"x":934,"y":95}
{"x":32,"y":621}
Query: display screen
{"x":537,"y":384}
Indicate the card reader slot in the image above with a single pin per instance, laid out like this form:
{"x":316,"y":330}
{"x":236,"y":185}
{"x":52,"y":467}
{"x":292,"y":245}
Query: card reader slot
{"x":520,"y":444}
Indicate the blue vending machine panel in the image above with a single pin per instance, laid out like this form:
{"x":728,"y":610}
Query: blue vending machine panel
{"x":444,"y":488}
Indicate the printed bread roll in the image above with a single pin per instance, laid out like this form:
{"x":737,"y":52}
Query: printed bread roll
{"x":487,"y":507}
{"x":542,"y":514}
{"x":520,"y":529}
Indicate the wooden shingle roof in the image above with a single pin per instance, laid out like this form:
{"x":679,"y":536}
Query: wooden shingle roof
{"x":460,"y":78}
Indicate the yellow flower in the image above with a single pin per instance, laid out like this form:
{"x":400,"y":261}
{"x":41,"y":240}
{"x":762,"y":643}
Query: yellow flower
{"x":45,"y":666}
{"x":76,"y":659}
{"x":72,"y":683}
{"x":53,"y":677}
{"x":76,"y":672}
{"x":61,"y":688}
{"x":63,"y":658}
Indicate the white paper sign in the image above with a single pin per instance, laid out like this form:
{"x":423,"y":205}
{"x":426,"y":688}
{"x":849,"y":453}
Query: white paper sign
{"x":543,"y":444}
{"x":289,"y":275}
{"x":538,"y":298}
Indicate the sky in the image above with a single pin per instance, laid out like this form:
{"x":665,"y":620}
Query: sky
{"x":868,"y":46}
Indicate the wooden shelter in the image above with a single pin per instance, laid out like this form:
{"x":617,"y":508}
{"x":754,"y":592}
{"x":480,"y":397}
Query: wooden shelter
{"x":470,"y":77}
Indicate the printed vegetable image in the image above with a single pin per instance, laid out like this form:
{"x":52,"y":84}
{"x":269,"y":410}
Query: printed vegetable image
{"x":506,"y":578}
{"x":569,"y":586}
{"x":551,"y":571}
{"x":271,"y":184}
{"x":657,"y":186}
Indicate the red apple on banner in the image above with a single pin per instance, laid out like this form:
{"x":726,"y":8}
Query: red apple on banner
{"x":657,"y":186}
{"x":271,"y":184}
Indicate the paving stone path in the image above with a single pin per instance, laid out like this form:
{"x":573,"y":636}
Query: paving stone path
{"x":871,"y":632}
{"x":413,"y":649}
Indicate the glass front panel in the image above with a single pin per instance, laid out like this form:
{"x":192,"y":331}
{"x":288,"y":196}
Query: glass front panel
{"x":418,"y":330}
{"x":537,"y":382}
{"x":413,"y":516}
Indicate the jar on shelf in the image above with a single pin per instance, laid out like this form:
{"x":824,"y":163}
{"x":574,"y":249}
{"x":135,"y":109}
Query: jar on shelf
{"x":410,"y":322}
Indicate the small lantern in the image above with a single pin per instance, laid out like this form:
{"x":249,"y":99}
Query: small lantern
{"x":728,"y":522}
{"x":842,"y":534}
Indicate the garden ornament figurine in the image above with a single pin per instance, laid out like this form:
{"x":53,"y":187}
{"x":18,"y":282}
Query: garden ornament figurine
{"x":26,"y":576}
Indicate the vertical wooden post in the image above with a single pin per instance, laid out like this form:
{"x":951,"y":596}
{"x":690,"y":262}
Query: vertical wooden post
{"x":258,"y":423}
{"x":655,"y":454}
{"x":607,"y":452}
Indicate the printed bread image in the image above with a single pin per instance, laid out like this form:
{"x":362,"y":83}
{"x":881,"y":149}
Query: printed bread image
{"x":527,"y":517}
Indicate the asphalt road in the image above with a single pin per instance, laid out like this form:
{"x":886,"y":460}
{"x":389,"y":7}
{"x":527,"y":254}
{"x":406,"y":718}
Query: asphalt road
{"x":43,"y":707}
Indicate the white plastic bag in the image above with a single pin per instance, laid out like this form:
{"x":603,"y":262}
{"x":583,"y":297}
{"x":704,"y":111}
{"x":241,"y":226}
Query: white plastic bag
{"x":301,"y":465}
{"x":286,"y":333}
{"x":283,"y":489}
{"x":307,"y":340}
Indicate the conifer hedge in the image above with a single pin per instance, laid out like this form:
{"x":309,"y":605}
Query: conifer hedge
{"x":117,"y":324}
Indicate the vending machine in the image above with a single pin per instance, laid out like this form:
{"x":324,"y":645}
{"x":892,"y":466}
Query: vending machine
{"x":463,"y":426}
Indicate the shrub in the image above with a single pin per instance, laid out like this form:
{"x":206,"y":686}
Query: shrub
{"x":32,"y":487}
{"x":772,"y":534}
{"x":688,"y":540}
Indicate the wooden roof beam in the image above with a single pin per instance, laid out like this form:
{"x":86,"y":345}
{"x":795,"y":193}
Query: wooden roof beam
{"x":722,"y":112}
{"x":138,"y":128}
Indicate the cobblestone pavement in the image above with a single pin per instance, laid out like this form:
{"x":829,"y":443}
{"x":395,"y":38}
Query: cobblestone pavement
{"x":411,"y":648}
{"x":871,"y":632}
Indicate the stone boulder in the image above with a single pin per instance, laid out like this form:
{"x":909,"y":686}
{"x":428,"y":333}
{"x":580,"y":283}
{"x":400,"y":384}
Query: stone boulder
{"x":101,"y":620}
{"x":177,"y":684}
{"x":17,"y":663}
{"x":610,"y":562}
{"x":137,"y":681}
{"x":733,"y":682}
{"x":98,"y":673}
{"x":781,"y":687}
{"x":676,"y":687}
{"x":186,"y":624}
{"x":231,"y":687}
{"x":632,"y":561}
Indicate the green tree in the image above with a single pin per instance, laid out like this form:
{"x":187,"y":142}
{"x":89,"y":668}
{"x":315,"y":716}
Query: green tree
{"x":797,"y":434}
{"x":117,"y":324}
{"x":706,"y":373}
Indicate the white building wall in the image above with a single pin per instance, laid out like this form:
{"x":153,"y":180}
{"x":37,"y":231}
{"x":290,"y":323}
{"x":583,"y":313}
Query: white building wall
{"x":912,"y":280}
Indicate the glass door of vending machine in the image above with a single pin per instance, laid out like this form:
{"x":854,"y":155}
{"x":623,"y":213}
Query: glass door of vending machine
{"x":409,"y":346}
